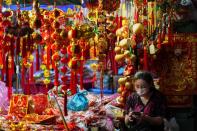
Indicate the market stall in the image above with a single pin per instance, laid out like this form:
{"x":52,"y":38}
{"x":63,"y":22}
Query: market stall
{"x":53,"y":57}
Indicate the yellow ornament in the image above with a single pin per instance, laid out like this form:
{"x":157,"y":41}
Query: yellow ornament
{"x":31,"y":58}
{"x":46,"y":81}
{"x":43,"y":67}
{"x":46,"y":73}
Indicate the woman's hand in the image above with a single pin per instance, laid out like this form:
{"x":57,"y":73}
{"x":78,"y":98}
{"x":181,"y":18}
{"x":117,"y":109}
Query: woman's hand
{"x":128,"y":118}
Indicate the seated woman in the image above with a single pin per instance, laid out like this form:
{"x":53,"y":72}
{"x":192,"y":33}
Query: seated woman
{"x":146,"y":107}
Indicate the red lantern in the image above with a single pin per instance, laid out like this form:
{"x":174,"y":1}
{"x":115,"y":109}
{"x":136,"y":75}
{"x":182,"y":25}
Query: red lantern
{"x":64,"y":79}
{"x":63,"y":51}
{"x":54,"y":46}
{"x":63,"y":69}
{"x":64,"y":60}
{"x":56,"y":56}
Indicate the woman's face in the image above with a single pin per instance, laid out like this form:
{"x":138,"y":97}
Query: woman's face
{"x":141,"y":87}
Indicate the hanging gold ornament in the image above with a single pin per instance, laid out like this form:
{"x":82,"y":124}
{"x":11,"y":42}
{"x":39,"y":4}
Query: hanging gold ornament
{"x":8,"y":2}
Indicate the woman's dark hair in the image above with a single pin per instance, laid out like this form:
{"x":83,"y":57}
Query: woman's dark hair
{"x":146,"y":76}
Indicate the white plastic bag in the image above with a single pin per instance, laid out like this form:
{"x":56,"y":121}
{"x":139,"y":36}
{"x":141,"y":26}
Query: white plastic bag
{"x":171,"y":125}
{"x":4,"y":102}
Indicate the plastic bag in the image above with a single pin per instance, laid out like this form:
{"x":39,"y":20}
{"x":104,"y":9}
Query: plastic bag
{"x":4,"y":102}
{"x":171,"y":125}
{"x":78,"y":102}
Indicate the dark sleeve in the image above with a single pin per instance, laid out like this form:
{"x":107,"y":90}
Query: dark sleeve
{"x":161,"y":106}
{"x":129,"y":103}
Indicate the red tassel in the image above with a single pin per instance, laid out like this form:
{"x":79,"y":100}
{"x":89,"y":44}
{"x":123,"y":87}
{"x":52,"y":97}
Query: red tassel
{"x":117,"y":22}
{"x":65,"y":103}
{"x":101,"y":84}
{"x":1,"y":59}
{"x":9,"y":76}
{"x":12,"y":46}
{"x":145,"y":67}
{"x":23,"y":75}
{"x":17,"y":46}
{"x":24,"y":53}
{"x":136,"y":16}
{"x":10,"y":84}
{"x":37,"y":60}
{"x":31,"y":73}
{"x":73,"y":82}
{"x":152,"y":16}
{"x":159,"y":41}
{"x":81,"y":75}
{"x":56,"y":81}
{"x":48,"y":56}
{"x":27,"y":86}
{"x":4,"y":67}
